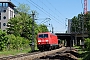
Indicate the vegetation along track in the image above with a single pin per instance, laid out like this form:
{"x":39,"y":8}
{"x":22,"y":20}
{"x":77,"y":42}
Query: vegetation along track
{"x":31,"y":56}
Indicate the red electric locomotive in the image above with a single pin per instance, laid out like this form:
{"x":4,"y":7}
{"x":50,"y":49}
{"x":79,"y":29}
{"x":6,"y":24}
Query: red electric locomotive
{"x":47,"y":41}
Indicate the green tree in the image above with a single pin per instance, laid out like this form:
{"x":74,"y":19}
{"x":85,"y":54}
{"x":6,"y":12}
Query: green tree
{"x":23,"y":8}
{"x":42,"y":28}
{"x":87,"y":23}
{"x":77,"y":23}
{"x":74,"y":24}
{"x":21,"y":25}
{"x":15,"y":26}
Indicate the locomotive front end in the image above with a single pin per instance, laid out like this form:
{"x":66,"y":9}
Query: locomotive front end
{"x":43,"y":41}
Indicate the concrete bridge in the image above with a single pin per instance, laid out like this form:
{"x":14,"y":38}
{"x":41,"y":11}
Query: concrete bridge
{"x":71,"y":39}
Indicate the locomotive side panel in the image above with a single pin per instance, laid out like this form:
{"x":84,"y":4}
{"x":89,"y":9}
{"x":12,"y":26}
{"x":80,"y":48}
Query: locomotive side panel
{"x":54,"y":39}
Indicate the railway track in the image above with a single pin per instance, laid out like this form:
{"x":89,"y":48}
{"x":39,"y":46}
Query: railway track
{"x":67,"y":54}
{"x":32,"y":56}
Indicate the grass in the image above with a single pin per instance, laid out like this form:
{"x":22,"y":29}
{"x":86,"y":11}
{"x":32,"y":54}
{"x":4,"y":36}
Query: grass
{"x":80,"y":59}
{"x":14,"y":52}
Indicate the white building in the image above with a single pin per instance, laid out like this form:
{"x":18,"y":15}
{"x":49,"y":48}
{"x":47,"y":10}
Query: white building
{"x":6,"y":12}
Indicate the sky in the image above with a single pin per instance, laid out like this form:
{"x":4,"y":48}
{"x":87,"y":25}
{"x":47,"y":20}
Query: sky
{"x":54,"y":12}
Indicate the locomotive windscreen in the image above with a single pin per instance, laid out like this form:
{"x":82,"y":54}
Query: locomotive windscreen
{"x":43,"y":36}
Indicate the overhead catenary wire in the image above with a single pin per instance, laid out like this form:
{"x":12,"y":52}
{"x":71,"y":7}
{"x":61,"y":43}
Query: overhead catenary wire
{"x":56,"y":9}
{"x":17,"y":1}
{"x":54,"y":18}
{"x":42,"y":9}
{"x":39,"y":9}
{"x":50,"y":9}
{"x":45,"y":12}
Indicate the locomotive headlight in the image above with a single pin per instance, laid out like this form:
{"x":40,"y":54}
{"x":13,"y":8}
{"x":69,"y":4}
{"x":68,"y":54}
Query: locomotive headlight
{"x":39,"y":40}
{"x":46,"y":40}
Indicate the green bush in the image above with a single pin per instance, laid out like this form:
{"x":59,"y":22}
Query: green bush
{"x":3,"y":40}
{"x":17,"y":42}
{"x":12,"y":42}
{"x":87,"y":44}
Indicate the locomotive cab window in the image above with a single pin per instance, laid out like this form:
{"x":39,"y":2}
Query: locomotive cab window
{"x":43,"y":36}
